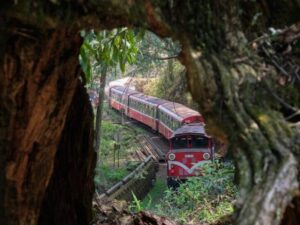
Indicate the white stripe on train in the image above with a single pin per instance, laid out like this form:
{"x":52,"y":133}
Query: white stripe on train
{"x":189,"y":170}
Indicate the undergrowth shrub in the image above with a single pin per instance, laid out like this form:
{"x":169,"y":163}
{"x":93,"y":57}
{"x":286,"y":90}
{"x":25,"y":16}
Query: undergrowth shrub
{"x":107,"y":175}
{"x":204,"y":199}
{"x":114,"y":155}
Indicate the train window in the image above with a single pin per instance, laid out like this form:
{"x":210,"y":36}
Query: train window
{"x":174,"y":124}
{"x":143,"y":107}
{"x":179,"y":143}
{"x":164,"y":118}
{"x":199,"y":142}
{"x":170,"y":122}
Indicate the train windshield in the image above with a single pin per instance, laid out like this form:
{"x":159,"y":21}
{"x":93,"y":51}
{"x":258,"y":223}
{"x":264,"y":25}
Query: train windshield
{"x":179,"y":142}
{"x":199,"y":142}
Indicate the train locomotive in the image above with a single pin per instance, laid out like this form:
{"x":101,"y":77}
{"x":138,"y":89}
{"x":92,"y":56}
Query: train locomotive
{"x":184,"y":128}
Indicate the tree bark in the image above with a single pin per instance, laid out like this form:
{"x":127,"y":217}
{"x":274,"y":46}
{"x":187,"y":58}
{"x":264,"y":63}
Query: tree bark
{"x":38,"y":80}
{"x":262,"y":142}
{"x":39,"y":76}
{"x":68,"y":200}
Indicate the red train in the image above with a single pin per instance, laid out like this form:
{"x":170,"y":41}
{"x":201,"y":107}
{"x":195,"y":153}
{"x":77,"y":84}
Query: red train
{"x":190,"y":146}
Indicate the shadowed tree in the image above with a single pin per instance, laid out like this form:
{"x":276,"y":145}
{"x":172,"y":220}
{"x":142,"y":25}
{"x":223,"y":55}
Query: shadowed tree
{"x":239,"y":85}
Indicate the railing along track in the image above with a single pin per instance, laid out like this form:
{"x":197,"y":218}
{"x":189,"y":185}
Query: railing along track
{"x":123,"y":184}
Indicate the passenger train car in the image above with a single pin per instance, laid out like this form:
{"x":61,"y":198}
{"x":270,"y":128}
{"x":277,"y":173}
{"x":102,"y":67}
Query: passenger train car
{"x":190,"y":146}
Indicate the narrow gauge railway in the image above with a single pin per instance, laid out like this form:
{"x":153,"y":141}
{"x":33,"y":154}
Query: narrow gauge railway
{"x":189,"y":145}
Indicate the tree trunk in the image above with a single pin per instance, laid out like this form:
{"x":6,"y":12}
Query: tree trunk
{"x":170,"y":70}
{"x":39,"y":76}
{"x":262,"y":142}
{"x":69,"y":193}
{"x":99,"y":113}
{"x":234,"y":87}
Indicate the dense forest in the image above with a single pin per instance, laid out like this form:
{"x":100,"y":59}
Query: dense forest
{"x":235,"y":61}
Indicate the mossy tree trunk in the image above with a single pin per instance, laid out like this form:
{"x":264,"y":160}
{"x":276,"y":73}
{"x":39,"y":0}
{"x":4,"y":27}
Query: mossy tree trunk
{"x":225,"y":76}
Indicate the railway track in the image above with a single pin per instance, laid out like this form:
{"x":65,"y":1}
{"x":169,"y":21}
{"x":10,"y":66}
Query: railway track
{"x":151,"y":143}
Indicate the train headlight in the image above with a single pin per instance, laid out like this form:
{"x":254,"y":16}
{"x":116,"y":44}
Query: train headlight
{"x":206,"y":156}
{"x":172,"y":156}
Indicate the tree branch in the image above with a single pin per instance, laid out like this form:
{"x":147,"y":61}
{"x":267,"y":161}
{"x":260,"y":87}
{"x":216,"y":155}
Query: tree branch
{"x":280,"y":100}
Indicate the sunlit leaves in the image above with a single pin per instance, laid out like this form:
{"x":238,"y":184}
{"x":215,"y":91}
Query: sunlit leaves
{"x":204,"y":199}
{"x":109,"y":49}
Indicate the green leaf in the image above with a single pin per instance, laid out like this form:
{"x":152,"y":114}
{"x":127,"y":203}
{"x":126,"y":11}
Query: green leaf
{"x":85,"y":63}
{"x":108,"y":48}
{"x":122,"y":66}
{"x":117,"y":41}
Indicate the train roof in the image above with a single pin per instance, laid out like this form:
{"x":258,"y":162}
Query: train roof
{"x":125,"y":90}
{"x":149,"y":99}
{"x":192,"y":128}
{"x":157,"y":101}
{"x":179,"y":110}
